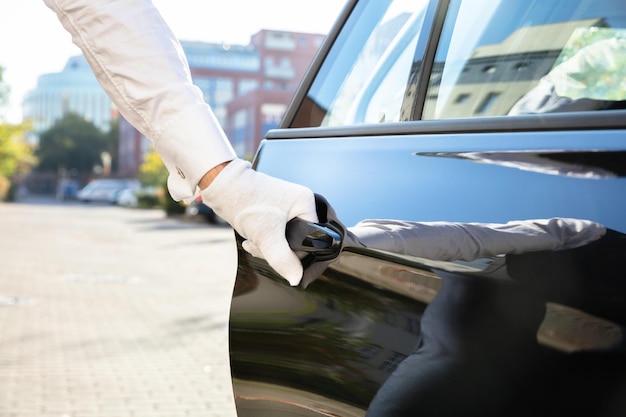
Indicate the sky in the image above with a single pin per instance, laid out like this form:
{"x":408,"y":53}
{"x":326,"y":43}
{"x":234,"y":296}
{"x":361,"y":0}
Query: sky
{"x":33,"y":42}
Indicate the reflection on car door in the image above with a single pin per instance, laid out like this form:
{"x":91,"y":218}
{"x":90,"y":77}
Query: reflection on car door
{"x":443,"y":148}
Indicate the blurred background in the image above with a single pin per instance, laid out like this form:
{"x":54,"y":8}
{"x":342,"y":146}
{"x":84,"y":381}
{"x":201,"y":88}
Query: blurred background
{"x":246,"y":57}
{"x":114,"y":299}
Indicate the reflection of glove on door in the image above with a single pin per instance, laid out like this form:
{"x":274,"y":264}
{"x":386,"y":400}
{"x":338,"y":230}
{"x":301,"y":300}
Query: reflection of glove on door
{"x":448,"y":241}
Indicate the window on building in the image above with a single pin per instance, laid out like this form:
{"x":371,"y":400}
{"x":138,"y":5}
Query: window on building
{"x":528,"y":56}
{"x":247,"y":85}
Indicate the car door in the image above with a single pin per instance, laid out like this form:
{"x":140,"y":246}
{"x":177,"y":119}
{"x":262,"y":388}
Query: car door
{"x":450,"y":115}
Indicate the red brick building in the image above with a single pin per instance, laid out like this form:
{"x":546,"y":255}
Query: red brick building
{"x":247,"y":86}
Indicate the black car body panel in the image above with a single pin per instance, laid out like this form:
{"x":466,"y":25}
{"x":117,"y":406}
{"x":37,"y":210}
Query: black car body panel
{"x":529,"y":167}
{"x":542,"y":331}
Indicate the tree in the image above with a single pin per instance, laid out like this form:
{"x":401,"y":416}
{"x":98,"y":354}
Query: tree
{"x":72,"y":144}
{"x":152,"y":171}
{"x":16,"y":155}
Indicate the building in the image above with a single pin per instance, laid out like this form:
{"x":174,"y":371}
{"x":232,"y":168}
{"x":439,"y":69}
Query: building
{"x":74,"y":89}
{"x":221,"y":72}
{"x":247,"y":86}
{"x":496,"y":76}
{"x":283,"y":59}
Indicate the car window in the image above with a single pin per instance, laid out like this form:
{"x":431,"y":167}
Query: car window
{"x":513,"y":57}
{"x":364,"y":76}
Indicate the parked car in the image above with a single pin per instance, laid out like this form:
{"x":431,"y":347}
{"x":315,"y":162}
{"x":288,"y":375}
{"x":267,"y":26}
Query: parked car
{"x":445,"y":114}
{"x":126,"y":197}
{"x":105,"y":190}
{"x":144,"y":196}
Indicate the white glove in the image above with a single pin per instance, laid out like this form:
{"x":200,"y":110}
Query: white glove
{"x":258,"y":207}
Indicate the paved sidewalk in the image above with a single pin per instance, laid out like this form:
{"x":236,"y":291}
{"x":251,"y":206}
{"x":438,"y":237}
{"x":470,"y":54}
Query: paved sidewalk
{"x":112,"y":312}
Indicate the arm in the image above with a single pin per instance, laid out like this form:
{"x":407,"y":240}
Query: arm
{"x":142,"y":67}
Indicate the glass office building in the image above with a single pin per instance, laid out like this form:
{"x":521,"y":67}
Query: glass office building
{"x":74,"y":89}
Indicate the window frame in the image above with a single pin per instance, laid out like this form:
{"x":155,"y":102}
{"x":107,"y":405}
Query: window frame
{"x":411,"y":120}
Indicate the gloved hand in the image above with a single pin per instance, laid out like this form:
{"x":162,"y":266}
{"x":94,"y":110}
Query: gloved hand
{"x":318,"y":256}
{"x":258,"y":207}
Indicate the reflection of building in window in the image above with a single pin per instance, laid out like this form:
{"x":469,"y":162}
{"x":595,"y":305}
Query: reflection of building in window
{"x":461,"y":98}
{"x":513,"y":66}
{"x":490,"y":69}
{"x":487,"y":103}
{"x":593,"y":78}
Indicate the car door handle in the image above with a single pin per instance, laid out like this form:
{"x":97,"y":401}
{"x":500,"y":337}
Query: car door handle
{"x":322,"y":240}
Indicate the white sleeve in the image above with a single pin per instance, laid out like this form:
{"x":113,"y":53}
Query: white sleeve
{"x":142,"y":67}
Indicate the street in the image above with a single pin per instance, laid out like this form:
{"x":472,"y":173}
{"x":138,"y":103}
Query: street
{"x":112,"y":312}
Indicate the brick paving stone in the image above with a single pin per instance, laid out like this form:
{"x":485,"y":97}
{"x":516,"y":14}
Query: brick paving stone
{"x":107,"y":311}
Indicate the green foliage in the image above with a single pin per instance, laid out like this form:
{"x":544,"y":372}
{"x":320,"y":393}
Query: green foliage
{"x":584,"y":37}
{"x":11,"y":193}
{"x":594,"y":64}
{"x":72,"y":143}
{"x":5,"y":188}
{"x":146,"y":200}
{"x":171,"y":207}
{"x":16,"y":155}
{"x":152,"y":171}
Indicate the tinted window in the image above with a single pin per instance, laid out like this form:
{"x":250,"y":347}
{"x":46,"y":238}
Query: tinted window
{"x":523,"y":56}
{"x":364,"y":77}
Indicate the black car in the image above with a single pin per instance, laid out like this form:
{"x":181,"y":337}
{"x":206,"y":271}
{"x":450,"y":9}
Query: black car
{"x":450,"y":127}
